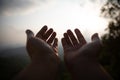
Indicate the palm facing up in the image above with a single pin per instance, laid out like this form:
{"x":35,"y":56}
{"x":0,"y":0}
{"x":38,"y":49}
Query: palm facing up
{"x":43,"y":46}
{"x":43,"y":52}
{"x":77,"y":48}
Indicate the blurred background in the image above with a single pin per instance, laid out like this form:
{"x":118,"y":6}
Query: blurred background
{"x":90,"y":16}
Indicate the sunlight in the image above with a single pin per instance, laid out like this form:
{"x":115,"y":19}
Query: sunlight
{"x":70,"y":16}
{"x":57,"y":14}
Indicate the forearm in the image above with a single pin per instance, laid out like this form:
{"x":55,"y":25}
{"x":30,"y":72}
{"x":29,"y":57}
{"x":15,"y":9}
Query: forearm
{"x":36,"y":71}
{"x":89,"y":70}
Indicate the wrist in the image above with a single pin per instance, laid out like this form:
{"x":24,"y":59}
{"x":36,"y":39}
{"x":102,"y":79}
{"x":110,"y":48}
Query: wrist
{"x":39,"y":71}
{"x":46,"y":69}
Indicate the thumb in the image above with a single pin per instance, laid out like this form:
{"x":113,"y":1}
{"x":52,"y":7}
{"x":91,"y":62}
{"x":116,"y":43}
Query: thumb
{"x":30,"y":34}
{"x":95,"y":37}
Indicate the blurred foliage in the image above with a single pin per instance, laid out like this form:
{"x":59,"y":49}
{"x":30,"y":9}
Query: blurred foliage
{"x":110,"y":57}
{"x":111,"y":10}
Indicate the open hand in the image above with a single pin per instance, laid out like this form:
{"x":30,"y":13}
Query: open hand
{"x":43,"y":46}
{"x":76,"y":49}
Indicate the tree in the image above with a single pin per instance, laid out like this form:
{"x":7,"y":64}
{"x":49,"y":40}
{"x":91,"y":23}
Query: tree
{"x":110,"y":58}
{"x":111,"y":10}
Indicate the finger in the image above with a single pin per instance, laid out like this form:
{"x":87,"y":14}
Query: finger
{"x":67,"y":39}
{"x":42,"y":32}
{"x":64,"y":44}
{"x":80,"y":36}
{"x":95,"y":37}
{"x":55,"y":44}
{"x":47,"y":34}
{"x":52,"y":37}
{"x":29,"y":34}
{"x":72,"y":37}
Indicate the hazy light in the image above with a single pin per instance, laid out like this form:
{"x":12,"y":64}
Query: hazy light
{"x":59,"y":15}
{"x":68,"y":15}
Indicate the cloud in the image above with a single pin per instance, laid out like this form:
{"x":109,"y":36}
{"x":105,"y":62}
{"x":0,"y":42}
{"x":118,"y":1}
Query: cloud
{"x":11,"y":7}
{"x":8,"y":7}
{"x":84,"y":2}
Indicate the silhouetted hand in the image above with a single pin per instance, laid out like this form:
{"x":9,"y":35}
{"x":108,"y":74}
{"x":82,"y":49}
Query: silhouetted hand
{"x":43,"y":46}
{"x":43,"y":51}
{"x":81,"y":57}
{"x":77,"y":48}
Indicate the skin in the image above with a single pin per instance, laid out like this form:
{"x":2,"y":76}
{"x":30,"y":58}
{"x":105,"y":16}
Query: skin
{"x":81,"y":57}
{"x":43,"y":51}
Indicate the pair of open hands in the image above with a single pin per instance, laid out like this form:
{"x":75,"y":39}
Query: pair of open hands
{"x":44,"y":47}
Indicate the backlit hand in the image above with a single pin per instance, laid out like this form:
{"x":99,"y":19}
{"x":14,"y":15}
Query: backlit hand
{"x":43,"y":46}
{"x":76,"y":49}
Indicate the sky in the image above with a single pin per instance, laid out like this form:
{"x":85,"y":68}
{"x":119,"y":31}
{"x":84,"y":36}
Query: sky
{"x":18,"y":15}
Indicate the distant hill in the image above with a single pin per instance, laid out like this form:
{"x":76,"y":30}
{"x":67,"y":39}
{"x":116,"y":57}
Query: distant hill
{"x":12,"y":61}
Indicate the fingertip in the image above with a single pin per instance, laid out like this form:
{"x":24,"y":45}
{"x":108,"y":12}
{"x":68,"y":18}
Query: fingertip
{"x":45,"y":26}
{"x":29,"y":33}
{"x":95,"y":34}
{"x":63,"y":40}
{"x":69,"y":31}
{"x":95,"y":37}
{"x":76,"y":30}
{"x":55,"y":33}
{"x":51,"y":29}
{"x":55,"y":44}
{"x":56,"y":39}
{"x":42,"y":31}
{"x":64,"y":34}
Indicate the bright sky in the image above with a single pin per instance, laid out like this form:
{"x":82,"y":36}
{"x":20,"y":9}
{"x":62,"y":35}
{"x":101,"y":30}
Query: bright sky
{"x":18,"y":15}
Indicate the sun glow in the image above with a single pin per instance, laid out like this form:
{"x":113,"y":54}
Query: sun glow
{"x":71,"y":15}
{"x":57,"y":14}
